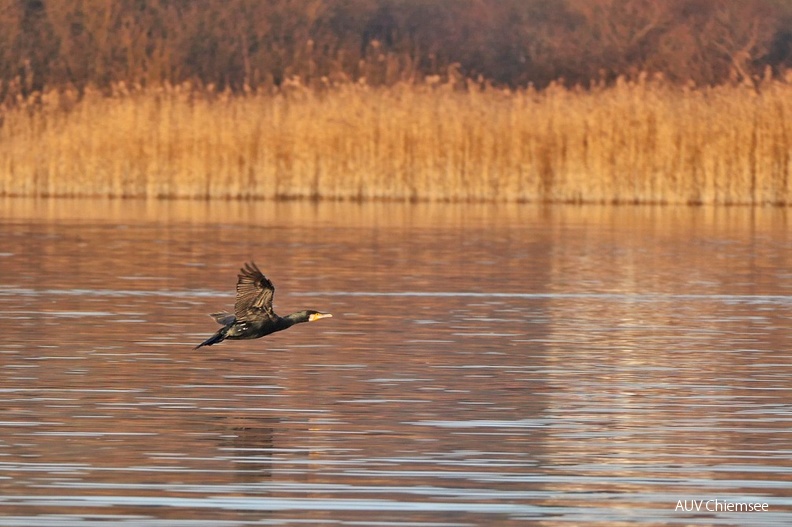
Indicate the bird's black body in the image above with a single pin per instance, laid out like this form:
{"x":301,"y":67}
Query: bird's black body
{"x":253,"y":316}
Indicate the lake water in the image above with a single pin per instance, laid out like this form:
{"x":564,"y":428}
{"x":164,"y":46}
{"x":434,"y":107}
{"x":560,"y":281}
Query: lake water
{"x":486,"y":365}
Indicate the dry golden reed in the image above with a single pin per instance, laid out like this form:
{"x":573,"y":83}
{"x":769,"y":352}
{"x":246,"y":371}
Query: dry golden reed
{"x":643,"y":142}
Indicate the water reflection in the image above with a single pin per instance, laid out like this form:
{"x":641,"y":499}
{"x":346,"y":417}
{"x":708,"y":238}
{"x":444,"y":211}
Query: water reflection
{"x":485,"y":365}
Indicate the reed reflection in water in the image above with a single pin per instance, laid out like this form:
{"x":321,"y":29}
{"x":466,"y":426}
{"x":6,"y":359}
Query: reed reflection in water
{"x":484,"y":365}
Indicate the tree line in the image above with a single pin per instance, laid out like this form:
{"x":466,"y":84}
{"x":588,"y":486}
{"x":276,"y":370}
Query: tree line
{"x":257,"y":44}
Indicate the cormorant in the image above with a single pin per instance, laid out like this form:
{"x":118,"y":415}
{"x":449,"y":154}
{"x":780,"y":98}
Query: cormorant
{"x":253,"y":316}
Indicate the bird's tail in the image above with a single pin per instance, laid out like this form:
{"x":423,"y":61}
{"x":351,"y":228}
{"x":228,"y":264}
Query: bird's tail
{"x":214,"y":339}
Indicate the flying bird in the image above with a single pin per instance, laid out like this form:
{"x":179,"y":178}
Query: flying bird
{"x":253,"y":316}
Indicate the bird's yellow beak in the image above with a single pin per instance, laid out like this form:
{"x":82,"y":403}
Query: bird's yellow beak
{"x":317,"y":316}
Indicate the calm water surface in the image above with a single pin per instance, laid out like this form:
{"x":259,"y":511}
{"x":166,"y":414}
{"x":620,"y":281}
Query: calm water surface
{"x":485,"y":365}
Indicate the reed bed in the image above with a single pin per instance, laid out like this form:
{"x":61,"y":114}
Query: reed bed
{"x":642,"y":142}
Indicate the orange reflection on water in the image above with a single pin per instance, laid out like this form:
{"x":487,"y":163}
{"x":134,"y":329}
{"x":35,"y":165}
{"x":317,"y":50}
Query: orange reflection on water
{"x":484,"y":364}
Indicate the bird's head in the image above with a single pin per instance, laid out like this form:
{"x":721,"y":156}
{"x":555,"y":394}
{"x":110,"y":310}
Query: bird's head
{"x":305,"y":316}
{"x":316,"y":315}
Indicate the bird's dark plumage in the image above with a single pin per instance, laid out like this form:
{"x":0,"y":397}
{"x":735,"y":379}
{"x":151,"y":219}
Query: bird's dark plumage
{"x":254,"y":295}
{"x":253,"y":316}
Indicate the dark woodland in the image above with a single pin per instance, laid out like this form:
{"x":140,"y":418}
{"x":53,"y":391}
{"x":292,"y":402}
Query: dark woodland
{"x":258,"y":44}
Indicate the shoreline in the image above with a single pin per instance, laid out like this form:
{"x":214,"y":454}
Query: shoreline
{"x":633,"y":143}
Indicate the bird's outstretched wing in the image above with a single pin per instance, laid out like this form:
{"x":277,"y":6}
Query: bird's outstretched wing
{"x":254,"y":295}
{"x":223,"y":318}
